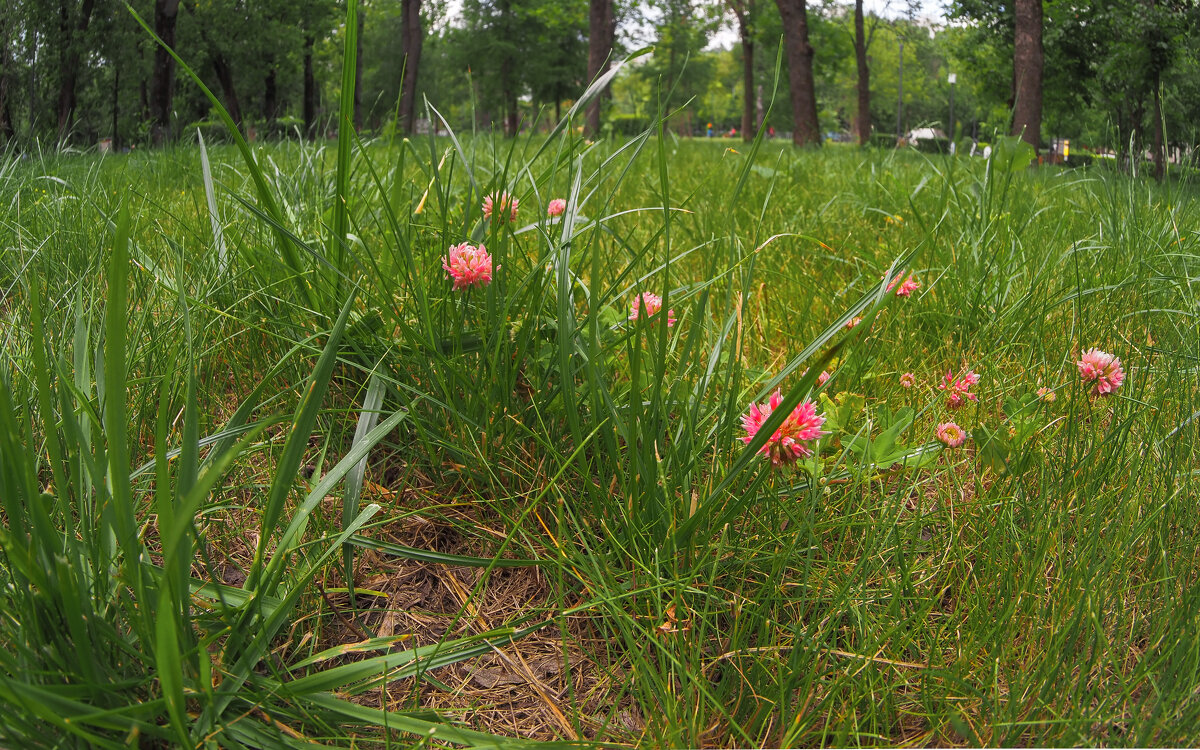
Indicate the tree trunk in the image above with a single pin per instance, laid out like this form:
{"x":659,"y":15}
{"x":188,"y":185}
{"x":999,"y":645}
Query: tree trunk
{"x":310,"y":88}
{"x":749,"y":111}
{"x":807,"y":129}
{"x":6,"y":124}
{"x":1027,"y":71}
{"x":224,"y":73}
{"x":862,"y":122}
{"x":1160,"y":166}
{"x":162,"y":80}
{"x":69,"y":59}
{"x":508,"y":93}
{"x":271,"y":95}
{"x":413,"y":36}
{"x":602,"y":30}
{"x":116,"y":105}
{"x":358,"y":68}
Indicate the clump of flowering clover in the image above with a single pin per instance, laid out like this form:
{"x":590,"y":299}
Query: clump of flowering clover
{"x":1103,"y":369}
{"x":951,"y":434}
{"x":906,"y":288}
{"x":468,"y":265}
{"x":556,"y":207}
{"x":794,"y":438}
{"x":499,"y":204}
{"x":646,"y":305}
{"x":959,"y":388}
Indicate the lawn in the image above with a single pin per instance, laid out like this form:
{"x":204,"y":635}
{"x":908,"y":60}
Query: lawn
{"x":269,"y":476}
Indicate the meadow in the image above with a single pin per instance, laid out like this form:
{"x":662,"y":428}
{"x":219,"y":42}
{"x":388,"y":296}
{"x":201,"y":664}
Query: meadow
{"x":271,"y":475}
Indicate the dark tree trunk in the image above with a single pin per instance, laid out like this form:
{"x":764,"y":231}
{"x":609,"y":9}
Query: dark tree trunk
{"x":749,"y":110}
{"x":6,"y":124}
{"x":508,"y":92}
{"x":310,"y":88}
{"x":1160,"y":146}
{"x":224,"y":73}
{"x":862,"y":120}
{"x":413,"y":38}
{"x":1027,"y":71}
{"x":69,"y":58}
{"x":116,"y":108}
{"x":162,"y":80}
{"x":358,"y":68}
{"x":271,"y":95}
{"x":807,"y":129}
{"x":602,"y":30}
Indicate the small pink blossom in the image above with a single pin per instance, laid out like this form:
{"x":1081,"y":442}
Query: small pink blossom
{"x":1047,"y":395}
{"x":653,"y":304}
{"x":853,"y":322}
{"x":908,"y":380}
{"x":556,"y":207}
{"x":500,"y":203}
{"x":909,"y":286}
{"x":958,"y":388}
{"x":468,"y":265}
{"x":791,"y":441}
{"x":823,"y":378}
{"x":951,"y":434}
{"x":1103,"y":368}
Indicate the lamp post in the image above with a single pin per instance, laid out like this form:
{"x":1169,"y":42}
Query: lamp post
{"x":952,"y":79}
{"x":900,"y":96}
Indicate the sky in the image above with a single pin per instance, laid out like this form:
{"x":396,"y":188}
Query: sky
{"x":929,"y":10}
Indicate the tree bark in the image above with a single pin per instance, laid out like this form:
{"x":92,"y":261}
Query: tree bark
{"x":1027,"y":71}
{"x":162,"y":80}
{"x":271,"y":95}
{"x":358,"y":68}
{"x":69,"y":57}
{"x":310,"y":88}
{"x":807,"y":130}
{"x":862,"y":121}
{"x":602,"y":31}
{"x":224,"y":73}
{"x":413,"y":37}
{"x":1160,"y":166}
{"x":749,"y":109}
{"x":6,"y":124}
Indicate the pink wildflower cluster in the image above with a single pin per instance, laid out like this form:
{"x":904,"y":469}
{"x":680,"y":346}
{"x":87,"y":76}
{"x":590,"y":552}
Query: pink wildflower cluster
{"x":556,"y":207}
{"x":499,"y":204}
{"x":653,"y":303}
{"x":853,"y":323}
{"x":906,"y":288}
{"x":951,"y":434}
{"x":468,"y":265}
{"x":958,"y":388}
{"x":908,"y":380}
{"x":1103,"y":369}
{"x":794,"y":437}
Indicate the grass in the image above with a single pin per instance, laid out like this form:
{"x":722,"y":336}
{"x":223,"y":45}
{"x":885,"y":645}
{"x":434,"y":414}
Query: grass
{"x":223,"y":468}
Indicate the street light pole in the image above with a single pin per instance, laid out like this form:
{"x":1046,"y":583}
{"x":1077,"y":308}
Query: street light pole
{"x":953,"y":78}
{"x":900,"y":96}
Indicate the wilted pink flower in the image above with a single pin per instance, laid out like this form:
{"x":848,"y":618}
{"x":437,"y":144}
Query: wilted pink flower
{"x":958,"y":388}
{"x":468,"y":265}
{"x":823,"y":378}
{"x":1046,"y":394}
{"x":789,"y":442}
{"x":908,"y":380}
{"x":909,"y":286}
{"x":853,"y":322}
{"x":501,"y":203}
{"x":653,"y":304}
{"x":1103,"y":368}
{"x":556,"y":207}
{"x":951,"y":434}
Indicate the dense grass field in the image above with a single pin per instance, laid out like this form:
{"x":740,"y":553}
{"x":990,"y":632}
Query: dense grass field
{"x":265,"y":487}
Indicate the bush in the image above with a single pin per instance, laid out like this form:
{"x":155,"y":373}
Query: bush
{"x":932,"y":145}
{"x":1078,"y":160}
{"x":627,"y":124}
{"x":882,"y":140}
